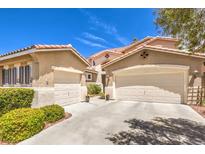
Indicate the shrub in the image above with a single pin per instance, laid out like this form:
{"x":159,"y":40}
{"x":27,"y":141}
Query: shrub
{"x":20,"y":124}
{"x":13,"y":98}
{"x":93,"y":89}
{"x":53,"y":113}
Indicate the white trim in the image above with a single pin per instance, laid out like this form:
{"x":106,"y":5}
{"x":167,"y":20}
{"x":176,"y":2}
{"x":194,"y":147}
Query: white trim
{"x":67,"y":69}
{"x":179,"y":67}
{"x":21,"y":53}
{"x":29,"y":51}
{"x":47,"y":50}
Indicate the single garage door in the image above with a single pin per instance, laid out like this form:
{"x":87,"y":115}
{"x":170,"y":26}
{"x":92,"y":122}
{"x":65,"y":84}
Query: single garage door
{"x":67,"y":86}
{"x":66,"y":94}
{"x":162,"y":87}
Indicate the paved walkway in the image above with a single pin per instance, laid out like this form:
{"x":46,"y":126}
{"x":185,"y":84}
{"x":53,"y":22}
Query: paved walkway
{"x":126,"y":123}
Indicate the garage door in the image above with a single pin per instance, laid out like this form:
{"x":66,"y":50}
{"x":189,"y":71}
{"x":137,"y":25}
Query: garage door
{"x":67,"y":87}
{"x":163,"y":88}
{"x":66,"y":94}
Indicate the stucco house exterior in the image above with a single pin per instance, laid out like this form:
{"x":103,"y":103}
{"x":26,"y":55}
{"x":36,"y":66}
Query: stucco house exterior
{"x":152,"y":70}
{"x":55,"y":72}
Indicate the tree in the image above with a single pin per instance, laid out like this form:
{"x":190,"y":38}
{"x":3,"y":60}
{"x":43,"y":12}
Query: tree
{"x":187,"y":25}
{"x":134,"y":40}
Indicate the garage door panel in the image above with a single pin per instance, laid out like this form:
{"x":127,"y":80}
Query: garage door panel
{"x":165,"y":88}
{"x":66,"y":94}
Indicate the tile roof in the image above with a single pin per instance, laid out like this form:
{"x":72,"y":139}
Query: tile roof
{"x":145,"y":40}
{"x":161,"y":49}
{"x":38,"y":46}
{"x":114,"y":50}
{"x":121,"y":49}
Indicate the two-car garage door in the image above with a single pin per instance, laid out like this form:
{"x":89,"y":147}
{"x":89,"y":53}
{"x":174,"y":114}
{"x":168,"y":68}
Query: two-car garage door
{"x":156,"y":87}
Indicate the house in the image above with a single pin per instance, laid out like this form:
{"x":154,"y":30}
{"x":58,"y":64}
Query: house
{"x":55,"y":72}
{"x":152,"y":70}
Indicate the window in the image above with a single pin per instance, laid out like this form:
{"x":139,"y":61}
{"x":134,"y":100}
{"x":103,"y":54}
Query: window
{"x":9,"y":76}
{"x":21,"y":75}
{"x":88,"y":76}
{"x":5,"y":76}
{"x":107,"y":56}
{"x":27,"y":74}
{"x":14,"y":75}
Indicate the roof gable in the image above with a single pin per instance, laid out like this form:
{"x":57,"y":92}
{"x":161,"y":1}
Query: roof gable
{"x":42,"y":48}
{"x":153,"y":48}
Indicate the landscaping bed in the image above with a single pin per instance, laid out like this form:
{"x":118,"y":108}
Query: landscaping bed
{"x":47,"y":125}
{"x":199,"y":109}
{"x":18,"y":121}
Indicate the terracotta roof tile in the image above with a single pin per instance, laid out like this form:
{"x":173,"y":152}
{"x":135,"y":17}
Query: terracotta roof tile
{"x":38,"y":46}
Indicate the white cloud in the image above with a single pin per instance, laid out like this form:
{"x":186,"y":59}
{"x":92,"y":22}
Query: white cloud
{"x":90,"y":43}
{"x":122,"y":40}
{"x":94,"y":37}
{"x":107,"y":28}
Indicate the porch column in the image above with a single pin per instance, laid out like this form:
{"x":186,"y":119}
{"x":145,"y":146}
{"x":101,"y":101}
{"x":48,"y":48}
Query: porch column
{"x":30,"y":71}
{"x":17,"y":66}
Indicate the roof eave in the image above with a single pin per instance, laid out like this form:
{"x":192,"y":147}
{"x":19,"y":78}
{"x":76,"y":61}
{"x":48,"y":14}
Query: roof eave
{"x":149,"y":48}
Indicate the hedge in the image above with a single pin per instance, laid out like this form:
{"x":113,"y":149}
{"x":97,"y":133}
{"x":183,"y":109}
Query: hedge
{"x":13,"y":98}
{"x":93,"y":89}
{"x":20,"y":124}
{"x":53,"y":113}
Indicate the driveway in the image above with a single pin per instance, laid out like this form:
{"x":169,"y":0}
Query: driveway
{"x":127,"y":123}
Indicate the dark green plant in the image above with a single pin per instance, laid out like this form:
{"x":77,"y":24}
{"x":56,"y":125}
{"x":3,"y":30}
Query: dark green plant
{"x":53,"y":113}
{"x":93,"y":89}
{"x":20,"y":124}
{"x":13,"y":98}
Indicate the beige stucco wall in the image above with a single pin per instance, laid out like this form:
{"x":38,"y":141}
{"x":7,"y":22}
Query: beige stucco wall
{"x":61,"y":77}
{"x":156,"y":57}
{"x":59,"y":58}
{"x":16,"y":60}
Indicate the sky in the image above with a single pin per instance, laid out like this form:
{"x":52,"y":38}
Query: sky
{"x":88,"y":30}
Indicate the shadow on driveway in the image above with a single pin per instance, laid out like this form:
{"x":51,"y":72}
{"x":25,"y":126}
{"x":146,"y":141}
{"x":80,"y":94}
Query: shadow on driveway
{"x":160,"y":131}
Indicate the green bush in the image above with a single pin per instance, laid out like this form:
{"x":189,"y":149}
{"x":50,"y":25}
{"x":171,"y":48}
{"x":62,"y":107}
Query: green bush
{"x":53,"y":113}
{"x":93,"y":89}
{"x":13,"y":98}
{"x":20,"y":124}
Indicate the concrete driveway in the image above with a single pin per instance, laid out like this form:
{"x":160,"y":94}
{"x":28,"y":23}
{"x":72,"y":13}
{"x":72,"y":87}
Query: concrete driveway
{"x":127,"y":123}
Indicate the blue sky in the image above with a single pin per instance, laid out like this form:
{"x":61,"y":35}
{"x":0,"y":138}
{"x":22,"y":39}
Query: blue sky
{"x":88,"y":30}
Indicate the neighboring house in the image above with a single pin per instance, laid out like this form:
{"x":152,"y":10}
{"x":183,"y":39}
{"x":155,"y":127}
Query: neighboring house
{"x":153,"y":70}
{"x":56,"y":72}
